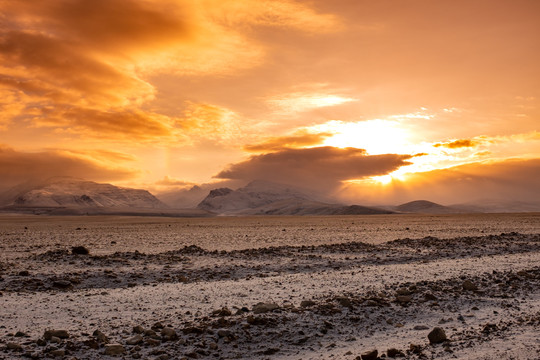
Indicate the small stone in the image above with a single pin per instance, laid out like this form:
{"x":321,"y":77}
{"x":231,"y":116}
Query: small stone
{"x":307,"y":303}
{"x":393,"y":352}
{"x":430,"y":297}
{"x":344,"y":301}
{"x":101,"y":337}
{"x":223,"y":312}
{"x":157,"y":326}
{"x":415,"y":349}
{"x":138,"y":329}
{"x":14,"y":346}
{"x":436,"y":336}
{"x":134,"y":340}
{"x":421,"y":327}
{"x":58,"y":352}
{"x":62,"y":334}
{"x":79,"y":250}
{"x":41,"y":342}
{"x":260,"y":308}
{"x":62,"y":284}
{"x":114,"y":349}
{"x":169,"y":334}
{"x":24,"y":273}
{"x":224,"y":333}
{"x":403,"y":291}
{"x":152,"y":342}
{"x":469,"y":286}
{"x":56,"y":340}
{"x":403,"y":299}
{"x":150,"y":333}
{"x":370,"y":355}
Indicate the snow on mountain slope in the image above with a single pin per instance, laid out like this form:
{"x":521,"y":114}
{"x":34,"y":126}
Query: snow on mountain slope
{"x":74,"y":193}
{"x":267,"y":198}
{"x":256,"y":194}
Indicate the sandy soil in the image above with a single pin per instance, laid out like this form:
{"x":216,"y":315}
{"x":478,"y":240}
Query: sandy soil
{"x":330,"y":295}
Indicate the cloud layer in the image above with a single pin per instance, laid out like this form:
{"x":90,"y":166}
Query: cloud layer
{"x":320,"y":168}
{"x":19,"y":167}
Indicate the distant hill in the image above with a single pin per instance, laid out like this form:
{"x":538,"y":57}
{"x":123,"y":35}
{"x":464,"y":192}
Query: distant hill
{"x":267,"y":198}
{"x":70,"y":196}
{"x":427,"y":207}
{"x":77,"y":193}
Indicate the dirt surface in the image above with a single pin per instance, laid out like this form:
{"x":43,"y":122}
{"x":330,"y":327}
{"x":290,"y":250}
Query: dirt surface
{"x":319,"y":300}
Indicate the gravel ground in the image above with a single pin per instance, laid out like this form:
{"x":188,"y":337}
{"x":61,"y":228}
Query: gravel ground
{"x":313,"y":300}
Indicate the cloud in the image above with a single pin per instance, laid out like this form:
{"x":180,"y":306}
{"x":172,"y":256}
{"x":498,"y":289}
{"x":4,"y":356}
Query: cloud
{"x":168,"y":181}
{"x":88,"y":66}
{"x":321,"y":167}
{"x":18,"y":167}
{"x":509,"y":180}
{"x":456,"y":144}
{"x":298,"y":102}
{"x":299,"y":139}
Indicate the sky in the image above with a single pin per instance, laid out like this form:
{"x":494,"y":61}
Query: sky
{"x":375,"y":101}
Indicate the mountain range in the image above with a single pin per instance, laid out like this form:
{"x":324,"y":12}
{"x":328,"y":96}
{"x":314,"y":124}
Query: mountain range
{"x":66,"y":195}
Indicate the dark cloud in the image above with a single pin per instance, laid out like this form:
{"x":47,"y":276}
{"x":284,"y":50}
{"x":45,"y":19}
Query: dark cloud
{"x":167,"y":181}
{"x":321,"y":167}
{"x":300,"y":139}
{"x":18,"y":167}
{"x":463,"y":143}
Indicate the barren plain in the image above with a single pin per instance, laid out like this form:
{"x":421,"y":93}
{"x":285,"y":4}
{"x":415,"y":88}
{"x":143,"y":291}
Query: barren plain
{"x":336,"y":287}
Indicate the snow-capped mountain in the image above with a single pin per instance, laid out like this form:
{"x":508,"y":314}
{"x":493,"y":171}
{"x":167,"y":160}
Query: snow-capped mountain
{"x":76,"y":193}
{"x":268,"y":198}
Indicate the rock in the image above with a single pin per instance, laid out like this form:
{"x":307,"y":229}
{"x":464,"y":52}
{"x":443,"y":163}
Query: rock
{"x":415,"y":349}
{"x":270,"y":351}
{"x":404,"y":299}
{"x":370,"y":355}
{"x":393,"y":352}
{"x":430,"y":297}
{"x":14,"y":346}
{"x":169,"y":334}
{"x":24,"y":273}
{"x":224,"y":333}
{"x":150,"y":333}
{"x":62,"y":334}
{"x":223,"y":312}
{"x":469,"y":286}
{"x":152,"y":342}
{"x":100,"y":337}
{"x":79,"y":250}
{"x":421,"y":327}
{"x":62,"y":284}
{"x":134,"y":340}
{"x":344,"y":301}
{"x":41,"y":342}
{"x":403,"y":291}
{"x":56,"y":340}
{"x":436,"y":336}
{"x":114,"y":349}
{"x":20,"y":334}
{"x":58,"y":352}
{"x":138,"y":329}
{"x":157,"y":326}
{"x":260,"y":308}
{"x":307,"y":303}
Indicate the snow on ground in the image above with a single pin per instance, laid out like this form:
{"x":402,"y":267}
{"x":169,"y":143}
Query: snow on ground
{"x":324,"y":299}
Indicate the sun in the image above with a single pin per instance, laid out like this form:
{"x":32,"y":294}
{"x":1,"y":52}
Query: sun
{"x":375,"y":136}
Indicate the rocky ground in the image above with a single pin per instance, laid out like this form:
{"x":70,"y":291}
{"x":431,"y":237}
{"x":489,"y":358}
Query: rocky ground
{"x":427,"y":298}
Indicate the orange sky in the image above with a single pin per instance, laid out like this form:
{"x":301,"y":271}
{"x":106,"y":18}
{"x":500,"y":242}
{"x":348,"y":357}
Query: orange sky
{"x":371,"y":101}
